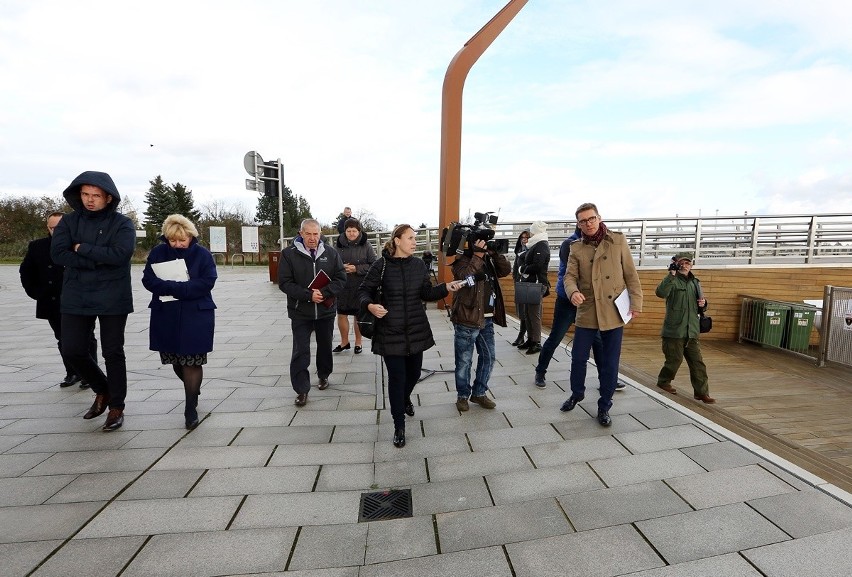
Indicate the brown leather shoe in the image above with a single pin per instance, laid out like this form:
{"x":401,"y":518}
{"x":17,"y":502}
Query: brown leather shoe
{"x":705,"y":399}
{"x":323,"y":384}
{"x":115,"y":419}
{"x":668,"y":389}
{"x":301,"y":399}
{"x":98,"y":407}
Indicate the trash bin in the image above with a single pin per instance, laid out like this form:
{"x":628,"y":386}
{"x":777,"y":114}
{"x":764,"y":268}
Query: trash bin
{"x":797,"y":332}
{"x":769,"y":322}
{"x":273,"y":266}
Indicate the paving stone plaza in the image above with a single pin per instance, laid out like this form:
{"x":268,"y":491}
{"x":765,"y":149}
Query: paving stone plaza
{"x":264,"y":488}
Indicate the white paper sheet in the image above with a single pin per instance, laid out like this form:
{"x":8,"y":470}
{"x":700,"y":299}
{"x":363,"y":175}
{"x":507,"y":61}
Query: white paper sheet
{"x":170,"y":270}
{"x":622,"y":303}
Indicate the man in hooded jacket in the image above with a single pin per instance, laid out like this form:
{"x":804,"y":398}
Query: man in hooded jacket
{"x":95,"y":243}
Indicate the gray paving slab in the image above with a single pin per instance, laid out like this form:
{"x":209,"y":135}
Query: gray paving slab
{"x":394,"y":474}
{"x":326,"y":546}
{"x":546,"y":413}
{"x":397,"y":539}
{"x":161,"y":438}
{"x":355,"y":434}
{"x":515,"y":437}
{"x":19,"y":559}
{"x":295,"y":509}
{"x":805,"y":513}
{"x":31,"y":490}
{"x":726,"y":486}
{"x":153,"y":516}
{"x":12,"y":465}
{"x":621,"y":505}
{"x":575,"y":451}
{"x":601,"y":552}
{"x":443,"y":496}
{"x":212,"y":554}
{"x":709,"y":532}
{"x":276,"y":435}
{"x":487,"y":526}
{"x":334,"y":417}
{"x":724,"y":455}
{"x":97,"y":462}
{"x":44,"y":522}
{"x":824,"y":555}
{"x":421,"y":447}
{"x":481,"y":421}
{"x":477,"y":464}
{"x":662,"y":417}
{"x":488,"y":562}
{"x":664,"y":438}
{"x":250,"y":419}
{"x":256,"y":481}
{"x":584,"y":426}
{"x":319,"y":454}
{"x":730,"y":565}
{"x":541,"y":483}
{"x":204,"y":436}
{"x":645,"y":467}
{"x":215,"y":457}
{"x":166,"y":484}
{"x":91,"y":557}
{"x":354,"y":477}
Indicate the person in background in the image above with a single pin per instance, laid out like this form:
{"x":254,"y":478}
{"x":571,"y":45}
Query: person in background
{"x":684,"y":302}
{"x":600,"y":268}
{"x":402,"y":330}
{"x":476,"y":308}
{"x":95,"y":244}
{"x":42,"y":281}
{"x":341,"y":224}
{"x":534,"y":269}
{"x":520,"y":309}
{"x":357,"y":254}
{"x":311,"y":310}
{"x":182,"y":311}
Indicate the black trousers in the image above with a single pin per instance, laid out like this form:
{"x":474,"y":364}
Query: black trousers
{"x":403,"y":374}
{"x":76,"y":333}
{"x":300,"y":376}
{"x":55,"y":322}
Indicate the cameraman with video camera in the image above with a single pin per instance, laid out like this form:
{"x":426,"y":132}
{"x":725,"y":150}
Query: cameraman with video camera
{"x":476,"y":307}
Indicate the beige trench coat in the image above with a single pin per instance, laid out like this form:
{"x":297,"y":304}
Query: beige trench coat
{"x":600,"y":274}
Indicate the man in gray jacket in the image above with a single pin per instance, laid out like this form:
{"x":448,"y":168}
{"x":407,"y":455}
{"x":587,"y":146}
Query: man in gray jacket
{"x":310,"y":273}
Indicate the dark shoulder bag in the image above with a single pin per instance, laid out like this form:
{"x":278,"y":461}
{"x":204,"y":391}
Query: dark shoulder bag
{"x":367,"y":320}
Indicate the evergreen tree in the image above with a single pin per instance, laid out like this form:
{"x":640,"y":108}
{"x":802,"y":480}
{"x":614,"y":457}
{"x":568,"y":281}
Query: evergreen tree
{"x":296,"y":209}
{"x":183,"y":202}
{"x":161,"y":203}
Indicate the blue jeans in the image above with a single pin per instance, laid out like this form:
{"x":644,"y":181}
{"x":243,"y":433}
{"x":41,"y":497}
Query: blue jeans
{"x":466,"y":338}
{"x":564,"y":315}
{"x":607,"y":363}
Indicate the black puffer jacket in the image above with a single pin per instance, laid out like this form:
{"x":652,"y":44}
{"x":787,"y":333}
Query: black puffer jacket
{"x":360,"y":253}
{"x":405,"y":329}
{"x":41,"y":279}
{"x":535,"y":264}
{"x":97,"y":275}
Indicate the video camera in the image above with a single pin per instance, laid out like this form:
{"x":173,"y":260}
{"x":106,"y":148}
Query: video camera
{"x":459,"y":238}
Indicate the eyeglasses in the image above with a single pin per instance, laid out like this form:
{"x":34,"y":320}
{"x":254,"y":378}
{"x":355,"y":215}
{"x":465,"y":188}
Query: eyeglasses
{"x":588,"y":221}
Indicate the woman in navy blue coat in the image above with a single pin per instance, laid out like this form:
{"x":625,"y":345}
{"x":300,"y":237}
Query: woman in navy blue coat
{"x":182,"y":311}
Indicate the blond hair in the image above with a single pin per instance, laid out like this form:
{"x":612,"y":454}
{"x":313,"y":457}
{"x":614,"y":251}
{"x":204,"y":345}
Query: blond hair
{"x":178,"y":227}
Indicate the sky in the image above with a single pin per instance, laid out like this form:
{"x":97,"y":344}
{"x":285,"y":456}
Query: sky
{"x":648,"y":108}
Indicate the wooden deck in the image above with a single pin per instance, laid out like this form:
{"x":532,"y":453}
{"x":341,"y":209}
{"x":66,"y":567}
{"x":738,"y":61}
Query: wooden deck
{"x":783,"y":403}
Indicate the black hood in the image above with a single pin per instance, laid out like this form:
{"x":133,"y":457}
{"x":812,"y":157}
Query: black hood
{"x":100,"y":179}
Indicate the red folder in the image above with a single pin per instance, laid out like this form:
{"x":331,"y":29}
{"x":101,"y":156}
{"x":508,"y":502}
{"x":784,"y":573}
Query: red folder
{"x":321,"y":280}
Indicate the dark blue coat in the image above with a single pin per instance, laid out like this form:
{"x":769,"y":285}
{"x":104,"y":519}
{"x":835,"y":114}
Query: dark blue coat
{"x":41,"y":279}
{"x":97,"y":274}
{"x":184,"y":326}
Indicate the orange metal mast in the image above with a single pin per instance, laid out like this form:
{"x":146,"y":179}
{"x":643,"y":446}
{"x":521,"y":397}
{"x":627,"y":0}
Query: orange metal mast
{"x":451,"y":117}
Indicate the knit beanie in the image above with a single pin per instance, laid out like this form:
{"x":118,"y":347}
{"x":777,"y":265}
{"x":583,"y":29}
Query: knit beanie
{"x":538,"y":227}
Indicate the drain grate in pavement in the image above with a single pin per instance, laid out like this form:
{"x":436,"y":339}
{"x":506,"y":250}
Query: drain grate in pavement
{"x":384,"y":505}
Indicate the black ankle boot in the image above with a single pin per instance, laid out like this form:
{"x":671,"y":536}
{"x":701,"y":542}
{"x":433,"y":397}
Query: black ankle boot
{"x":190,"y":413}
{"x":399,"y":438}
{"x":520,"y":340}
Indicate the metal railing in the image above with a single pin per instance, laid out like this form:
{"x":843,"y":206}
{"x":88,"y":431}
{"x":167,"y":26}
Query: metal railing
{"x":834,"y":323}
{"x":765,"y":239}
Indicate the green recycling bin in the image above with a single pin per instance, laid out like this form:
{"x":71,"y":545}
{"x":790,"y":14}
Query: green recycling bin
{"x":797,"y":333}
{"x":769,"y":322}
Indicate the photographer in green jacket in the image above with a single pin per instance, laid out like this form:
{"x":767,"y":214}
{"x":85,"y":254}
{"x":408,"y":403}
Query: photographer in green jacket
{"x":684,"y":302}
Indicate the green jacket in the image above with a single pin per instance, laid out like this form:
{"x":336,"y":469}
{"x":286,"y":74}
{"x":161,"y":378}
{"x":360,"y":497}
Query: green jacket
{"x":681,"y":294}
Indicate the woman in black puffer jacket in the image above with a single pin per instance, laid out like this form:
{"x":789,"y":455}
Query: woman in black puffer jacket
{"x":357,"y":254}
{"x":403,"y":332}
